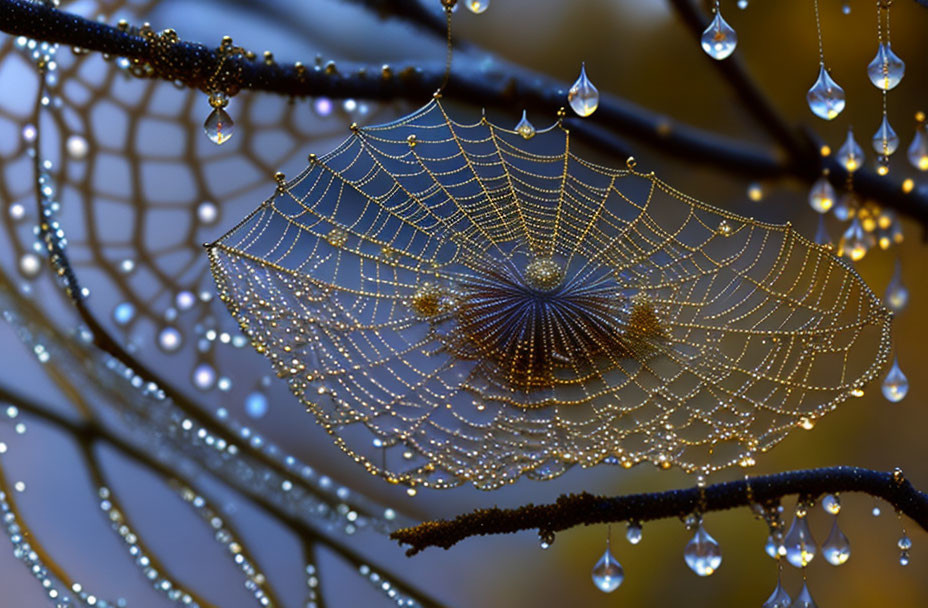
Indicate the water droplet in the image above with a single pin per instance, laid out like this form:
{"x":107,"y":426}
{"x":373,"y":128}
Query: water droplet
{"x":633,"y":534}
{"x":17,"y":211}
{"x":185,"y":300}
{"x":822,"y":195}
{"x":719,"y":39}
{"x":30,"y":265}
{"x":800,"y":546}
{"x":826,"y":98}
{"x":256,"y":404}
{"x":207,"y":212}
{"x":545,"y":538}
{"x":885,"y":140}
{"x":904,"y":558}
{"x":204,"y":376}
{"x":886,"y":69}
{"x":218,"y":126}
{"x":831,"y":504}
{"x":77,"y":147}
{"x":742,"y":4}
{"x":703,"y":554}
{"x":854,"y":243}
{"x":583,"y":96}
{"x":837,"y":549}
{"x":779,"y":598}
{"x":773,"y":547}
{"x":170,"y":340}
{"x":323,"y":106}
{"x":918,"y":149}
{"x":123,"y":313}
{"x":127,"y":266}
{"x":525,"y":128}
{"x":821,"y":235}
{"x":897,"y":294}
{"x":804,"y":599}
{"x":477,"y":6}
{"x":755,"y":192}
{"x":905,"y":543}
{"x":875,"y":512}
{"x":608,"y":573}
{"x":895,"y":385}
{"x":850,"y":154}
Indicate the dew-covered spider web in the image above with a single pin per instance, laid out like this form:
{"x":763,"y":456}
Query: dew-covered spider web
{"x":454,"y":302}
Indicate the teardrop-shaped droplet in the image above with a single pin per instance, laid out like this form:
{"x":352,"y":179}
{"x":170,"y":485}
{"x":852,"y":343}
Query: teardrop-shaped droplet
{"x":821,"y":235}
{"x":773,"y":547}
{"x":822,"y":195}
{"x":897,"y":294}
{"x":703,"y":554}
{"x":800,"y":546}
{"x":832,"y":504}
{"x":804,"y":599}
{"x":633,"y":534}
{"x":886,"y":69}
{"x":779,"y":598}
{"x":854,"y":243}
{"x":218,"y":126}
{"x":719,"y":39}
{"x":477,"y":6}
{"x":826,"y":98}
{"x":850,"y":154}
{"x":608,"y":573}
{"x":918,"y":149}
{"x":583,"y":96}
{"x":895,"y":384}
{"x":545,"y":538}
{"x":837,"y":548}
{"x":525,"y":128}
{"x":885,"y":140}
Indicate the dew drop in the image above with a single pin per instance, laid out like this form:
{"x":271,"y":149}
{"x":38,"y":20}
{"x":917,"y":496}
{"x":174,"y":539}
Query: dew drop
{"x":821,"y":235}
{"x":207,"y":212}
{"x":185,"y":300}
{"x":525,"y":128}
{"x":742,"y":4}
{"x":886,"y":70}
{"x":17,"y":211}
{"x":826,"y":98}
{"x":477,"y":6}
{"x":800,"y":546}
{"x":897,"y":294}
{"x":545,"y":538}
{"x":583,"y":96}
{"x":608,"y":573}
{"x":895,"y":385}
{"x":854,"y":243}
{"x":218,"y":126}
{"x":773,"y":547}
{"x":123,"y":313}
{"x":719,"y":39}
{"x":703,"y":554}
{"x":779,"y":598}
{"x":170,"y":339}
{"x":804,"y":599}
{"x":822,"y":195}
{"x":837,"y":548}
{"x":322,"y":106}
{"x":256,"y":404}
{"x":904,"y":543}
{"x":633,"y":534}
{"x":204,"y":376}
{"x":831,"y":504}
{"x":77,"y":147}
{"x":850,"y":154}
{"x":30,"y":265}
{"x":885,"y":140}
{"x":918,"y":149}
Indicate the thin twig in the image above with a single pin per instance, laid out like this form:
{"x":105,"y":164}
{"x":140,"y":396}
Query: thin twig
{"x":585,"y":509}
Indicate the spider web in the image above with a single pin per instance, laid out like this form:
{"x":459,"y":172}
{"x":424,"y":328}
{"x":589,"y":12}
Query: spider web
{"x":456,"y":302}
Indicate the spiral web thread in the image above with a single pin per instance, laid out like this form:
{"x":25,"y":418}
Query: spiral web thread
{"x":488,"y":306}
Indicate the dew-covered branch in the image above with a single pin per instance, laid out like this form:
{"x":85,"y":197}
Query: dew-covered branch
{"x":586,"y":509}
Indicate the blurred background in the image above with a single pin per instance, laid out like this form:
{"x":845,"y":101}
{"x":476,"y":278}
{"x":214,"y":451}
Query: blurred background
{"x":141,"y":188}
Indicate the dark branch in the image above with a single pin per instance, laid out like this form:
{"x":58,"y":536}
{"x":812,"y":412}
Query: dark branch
{"x":576,"y":509}
{"x":198,"y":66}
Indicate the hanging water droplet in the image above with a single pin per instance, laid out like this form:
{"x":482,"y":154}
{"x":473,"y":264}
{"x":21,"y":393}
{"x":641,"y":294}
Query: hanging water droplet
{"x":895,"y":385}
{"x":608,"y":573}
{"x":773,"y":547}
{"x":886,"y":69}
{"x":545,"y":538}
{"x":885,"y":140}
{"x":837,"y":548}
{"x":633,"y":534}
{"x":703,"y":554}
{"x":822,"y":195}
{"x":804,"y":599}
{"x":825,"y":98}
{"x":918,"y":149}
{"x":800,"y":546}
{"x":821,"y":235}
{"x":846,"y":8}
{"x":779,"y":598}
{"x":850,"y":154}
{"x":525,"y":128}
{"x":719,"y":39}
{"x":742,"y":4}
{"x":904,"y":558}
{"x":854,"y":243}
{"x":219,"y":125}
{"x":583,"y":96}
{"x":897,"y":294}
{"x":477,"y":6}
{"x":832,"y":504}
